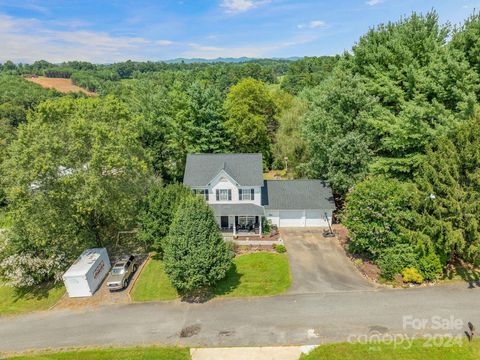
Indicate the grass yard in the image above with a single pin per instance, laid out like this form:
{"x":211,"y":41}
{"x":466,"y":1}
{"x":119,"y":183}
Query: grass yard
{"x":154,"y":353}
{"x":153,"y":284}
{"x":420,"y":350}
{"x":257,"y":274}
{"x":14,"y":301}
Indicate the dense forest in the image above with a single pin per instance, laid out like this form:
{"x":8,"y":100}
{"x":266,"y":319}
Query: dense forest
{"x":393,"y":125}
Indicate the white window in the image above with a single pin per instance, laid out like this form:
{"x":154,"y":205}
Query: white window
{"x":246,"y":194}
{"x":224,"y":194}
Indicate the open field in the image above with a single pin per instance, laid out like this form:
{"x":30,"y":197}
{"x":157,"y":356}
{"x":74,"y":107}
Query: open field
{"x":257,"y":274}
{"x":146,"y":353}
{"x":59,"y":84}
{"x":16,"y":301}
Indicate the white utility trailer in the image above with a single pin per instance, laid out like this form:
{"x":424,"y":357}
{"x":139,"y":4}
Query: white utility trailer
{"x":87,"y":272}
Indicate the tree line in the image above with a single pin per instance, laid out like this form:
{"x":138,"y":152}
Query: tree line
{"x":392,"y":125}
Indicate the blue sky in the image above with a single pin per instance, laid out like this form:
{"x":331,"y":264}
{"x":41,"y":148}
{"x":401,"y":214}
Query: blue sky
{"x":107,"y":31}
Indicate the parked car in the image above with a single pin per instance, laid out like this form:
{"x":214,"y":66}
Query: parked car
{"x":121,"y":273}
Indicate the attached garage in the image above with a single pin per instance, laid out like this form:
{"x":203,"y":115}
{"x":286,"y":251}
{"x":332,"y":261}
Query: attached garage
{"x":298,"y":203}
{"x":292,"y":218}
{"x":317,"y":218}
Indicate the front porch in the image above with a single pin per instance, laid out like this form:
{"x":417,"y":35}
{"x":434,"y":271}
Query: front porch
{"x":239,"y":219}
{"x":240,"y":225}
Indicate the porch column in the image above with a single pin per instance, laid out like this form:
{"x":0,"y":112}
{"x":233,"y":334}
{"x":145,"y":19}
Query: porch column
{"x":234,"y":226}
{"x":260,"y":227}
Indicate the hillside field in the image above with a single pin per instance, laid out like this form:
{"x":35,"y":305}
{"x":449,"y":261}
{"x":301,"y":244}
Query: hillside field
{"x":59,"y":84}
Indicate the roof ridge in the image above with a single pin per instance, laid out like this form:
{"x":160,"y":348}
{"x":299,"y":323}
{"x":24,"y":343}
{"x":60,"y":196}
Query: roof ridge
{"x":221,"y":154}
{"x":297,"y":180}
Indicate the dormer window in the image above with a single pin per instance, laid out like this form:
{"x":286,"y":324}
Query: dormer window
{"x":224,"y":195}
{"x":246,"y":194}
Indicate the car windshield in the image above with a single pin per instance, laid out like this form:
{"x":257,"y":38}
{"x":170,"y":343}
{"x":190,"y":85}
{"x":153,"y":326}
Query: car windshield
{"x":118,"y":270}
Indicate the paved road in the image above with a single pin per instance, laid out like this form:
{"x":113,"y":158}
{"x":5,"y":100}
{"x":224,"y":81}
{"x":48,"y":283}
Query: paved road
{"x":319,"y":264}
{"x":289,"y":319}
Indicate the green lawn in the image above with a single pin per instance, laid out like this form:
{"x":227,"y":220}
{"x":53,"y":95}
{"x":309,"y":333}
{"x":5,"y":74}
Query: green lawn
{"x":153,"y":284}
{"x":420,"y":350}
{"x":257,"y":274}
{"x":113,"y":354}
{"x":15,"y":301}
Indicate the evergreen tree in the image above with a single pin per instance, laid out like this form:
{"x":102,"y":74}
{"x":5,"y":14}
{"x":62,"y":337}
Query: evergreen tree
{"x":196,"y":256}
{"x":450,"y":181}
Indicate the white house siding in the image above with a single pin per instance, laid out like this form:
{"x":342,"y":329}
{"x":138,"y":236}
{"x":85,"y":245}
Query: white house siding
{"x":223,"y":181}
{"x":273,"y":216}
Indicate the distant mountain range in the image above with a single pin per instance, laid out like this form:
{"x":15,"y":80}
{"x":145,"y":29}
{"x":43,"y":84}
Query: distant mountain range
{"x":226,"y":60}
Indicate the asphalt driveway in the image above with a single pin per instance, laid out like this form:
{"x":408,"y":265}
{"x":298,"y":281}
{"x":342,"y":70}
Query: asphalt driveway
{"x":319,"y":264}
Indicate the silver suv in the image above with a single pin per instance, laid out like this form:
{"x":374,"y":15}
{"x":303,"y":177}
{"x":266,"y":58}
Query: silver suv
{"x":121,"y":273}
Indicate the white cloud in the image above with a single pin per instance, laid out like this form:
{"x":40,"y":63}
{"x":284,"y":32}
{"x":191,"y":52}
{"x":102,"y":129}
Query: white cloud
{"x":256,"y":51}
{"x":164,"y":42}
{"x":27,"y":40}
{"x":374,"y":2}
{"x":237,"y":6}
{"x":314,"y":24}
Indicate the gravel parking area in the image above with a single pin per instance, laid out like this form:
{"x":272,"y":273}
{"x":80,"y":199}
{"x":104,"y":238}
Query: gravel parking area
{"x":102,"y":296}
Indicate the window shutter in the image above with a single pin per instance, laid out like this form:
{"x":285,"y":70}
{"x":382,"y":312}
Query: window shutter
{"x":206,"y":194}
{"x":229,"y":195}
{"x":218,"y":194}
{"x":240,"y":194}
{"x":252,"y":194}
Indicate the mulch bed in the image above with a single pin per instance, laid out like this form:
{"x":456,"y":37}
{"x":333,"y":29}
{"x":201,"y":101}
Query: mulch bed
{"x":258,"y":238}
{"x":366,"y":267}
{"x":248,"y":249}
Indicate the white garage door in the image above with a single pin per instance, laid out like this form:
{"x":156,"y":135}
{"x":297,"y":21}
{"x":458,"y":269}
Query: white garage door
{"x":316,"y":218}
{"x":292,"y":218}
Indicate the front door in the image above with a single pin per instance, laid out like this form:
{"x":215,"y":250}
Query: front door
{"x":224,"y":222}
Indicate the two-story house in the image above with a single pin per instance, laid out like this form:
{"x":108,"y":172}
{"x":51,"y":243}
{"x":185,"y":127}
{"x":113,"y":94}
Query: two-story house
{"x":233,"y":186}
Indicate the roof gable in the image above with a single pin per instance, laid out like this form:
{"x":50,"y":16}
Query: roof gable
{"x":245,"y":169}
{"x":221,"y":175}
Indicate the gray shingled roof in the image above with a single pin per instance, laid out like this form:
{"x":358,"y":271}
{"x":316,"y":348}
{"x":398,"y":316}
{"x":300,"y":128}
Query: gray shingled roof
{"x":245,"y":169}
{"x":237,"y":209}
{"x":297,"y":195}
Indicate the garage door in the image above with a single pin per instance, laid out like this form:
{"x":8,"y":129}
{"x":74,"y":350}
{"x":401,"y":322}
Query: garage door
{"x":316,"y":218}
{"x":292,"y":219}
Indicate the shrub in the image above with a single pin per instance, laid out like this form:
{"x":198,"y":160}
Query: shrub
{"x":411,"y":275}
{"x":430,"y":266}
{"x":24,"y":270}
{"x":393,"y":260}
{"x":358,"y":262}
{"x":267,"y":226}
{"x":280,"y":248}
{"x":195,"y":254}
{"x":230,"y":246}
